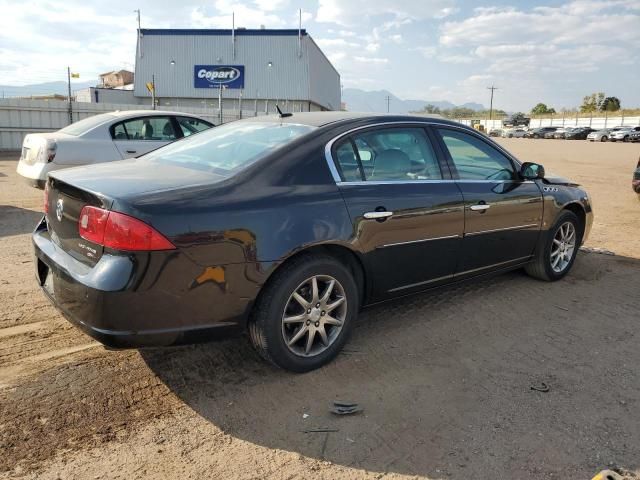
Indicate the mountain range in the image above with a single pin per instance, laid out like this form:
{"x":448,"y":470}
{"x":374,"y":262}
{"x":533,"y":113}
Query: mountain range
{"x":47,"y":88}
{"x":357,"y":100}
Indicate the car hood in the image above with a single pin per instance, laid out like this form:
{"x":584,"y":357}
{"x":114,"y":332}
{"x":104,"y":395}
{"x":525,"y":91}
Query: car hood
{"x":553,"y":179}
{"x":132,"y":177}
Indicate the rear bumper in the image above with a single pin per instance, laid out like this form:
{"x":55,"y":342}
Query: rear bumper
{"x":143,"y":300}
{"x":36,"y":174}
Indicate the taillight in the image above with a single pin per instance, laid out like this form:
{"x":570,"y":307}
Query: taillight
{"x":119,"y":231}
{"x":46,"y":197}
{"x":52,"y":146}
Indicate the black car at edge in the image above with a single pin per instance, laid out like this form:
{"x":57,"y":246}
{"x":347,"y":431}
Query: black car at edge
{"x":285,"y":226}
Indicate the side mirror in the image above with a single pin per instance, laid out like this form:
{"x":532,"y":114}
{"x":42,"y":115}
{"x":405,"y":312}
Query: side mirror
{"x":531,"y":171}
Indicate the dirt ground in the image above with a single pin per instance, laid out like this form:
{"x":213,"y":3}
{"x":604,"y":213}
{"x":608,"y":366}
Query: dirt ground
{"x":444,"y":378}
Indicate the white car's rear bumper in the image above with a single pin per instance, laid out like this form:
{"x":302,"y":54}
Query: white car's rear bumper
{"x":36,"y":174}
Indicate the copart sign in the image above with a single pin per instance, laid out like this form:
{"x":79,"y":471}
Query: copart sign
{"x":214,"y":76}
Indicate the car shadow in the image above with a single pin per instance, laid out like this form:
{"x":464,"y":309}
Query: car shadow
{"x":452,"y":382}
{"x":16,"y":221}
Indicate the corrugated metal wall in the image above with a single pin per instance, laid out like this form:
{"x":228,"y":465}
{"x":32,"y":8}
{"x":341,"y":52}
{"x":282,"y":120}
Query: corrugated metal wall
{"x":289,"y":77}
{"x":18,"y":117}
{"x":324,"y":80}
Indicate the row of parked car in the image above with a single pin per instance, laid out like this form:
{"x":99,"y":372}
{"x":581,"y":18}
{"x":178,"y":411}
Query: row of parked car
{"x":624,"y":133}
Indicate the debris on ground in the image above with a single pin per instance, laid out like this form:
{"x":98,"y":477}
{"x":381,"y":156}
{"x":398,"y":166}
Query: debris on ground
{"x":345,"y":408}
{"x":540,"y":387}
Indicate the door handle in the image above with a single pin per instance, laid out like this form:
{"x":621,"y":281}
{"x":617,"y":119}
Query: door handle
{"x":377,"y":215}
{"x":131,"y":151}
{"x":481,"y":207}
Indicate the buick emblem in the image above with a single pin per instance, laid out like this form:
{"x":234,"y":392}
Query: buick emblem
{"x":59,"y":209}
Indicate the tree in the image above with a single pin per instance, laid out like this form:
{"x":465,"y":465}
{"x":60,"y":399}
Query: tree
{"x":542,"y":109}
{"x":611,"y":104}
{"x":431,"y":109}
{"x":592,"y":103}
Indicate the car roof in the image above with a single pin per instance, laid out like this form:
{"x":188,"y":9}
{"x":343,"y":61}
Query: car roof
{"x":320,"y":119}
{"x":146,"y":113}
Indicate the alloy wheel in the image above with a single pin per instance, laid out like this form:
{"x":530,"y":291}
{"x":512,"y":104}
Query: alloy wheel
{"x":563,"y":247}
{"x":314,"y":315}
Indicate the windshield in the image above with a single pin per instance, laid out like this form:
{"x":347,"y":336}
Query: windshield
{"x":83,"y":126}
{"x":229,"y":147}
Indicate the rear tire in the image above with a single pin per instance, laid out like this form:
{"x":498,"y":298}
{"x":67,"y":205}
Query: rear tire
{"x":626,"y":138}
{"x":604,"y":139}
{"x":280,"y":326}
{"x":556,"y":252}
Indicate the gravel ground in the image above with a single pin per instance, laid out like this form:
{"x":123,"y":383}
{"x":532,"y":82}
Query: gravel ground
{"x":444,"y":378}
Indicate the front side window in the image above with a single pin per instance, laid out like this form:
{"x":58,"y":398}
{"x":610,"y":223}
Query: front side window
{"x":159,"y":129}
{"x":189,"y":126}
{"x":390,"y":154}
{"x":230,"y":147}
{"x":475,"y":159}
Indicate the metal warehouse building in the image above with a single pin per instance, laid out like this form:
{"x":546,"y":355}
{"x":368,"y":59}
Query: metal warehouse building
{"x":250,"y":69}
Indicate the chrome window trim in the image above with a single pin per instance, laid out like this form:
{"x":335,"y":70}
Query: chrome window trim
{"x":517,"y":227}
{"x":336,"y":175}
{"x":400,"y":182}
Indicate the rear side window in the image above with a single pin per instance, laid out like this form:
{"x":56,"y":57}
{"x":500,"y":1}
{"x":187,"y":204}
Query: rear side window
{"x":390,"y":154}
{"x":189,"y":126}
{"x":157,"y":129}
{"x":474,"y":159}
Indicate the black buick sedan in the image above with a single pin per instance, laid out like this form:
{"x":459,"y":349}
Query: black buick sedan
{"x":286,"y":226}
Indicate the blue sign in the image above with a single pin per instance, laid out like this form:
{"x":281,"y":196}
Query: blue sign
{"x":213,"y":76}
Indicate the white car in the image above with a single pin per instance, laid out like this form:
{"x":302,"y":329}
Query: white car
{"x":622,"y":133}
{"x":514,"y":133}
{"x":103,"y":138}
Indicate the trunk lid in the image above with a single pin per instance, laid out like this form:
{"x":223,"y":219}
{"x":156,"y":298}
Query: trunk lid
{"x":118,"y":186}
{"x":132,"y":177}
{"x":65,"y":202}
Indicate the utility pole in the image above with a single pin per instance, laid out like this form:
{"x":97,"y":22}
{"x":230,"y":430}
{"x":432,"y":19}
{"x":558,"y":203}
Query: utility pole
{"x":220,"y":87}
{"x":153,"y":90}
{"x":139,"y":34}
{"x":492,"y":88}
{"x":69,"y":92}
{"x":388,"y":99}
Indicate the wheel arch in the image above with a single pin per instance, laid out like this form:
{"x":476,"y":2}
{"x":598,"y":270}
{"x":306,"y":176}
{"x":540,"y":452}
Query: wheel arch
{"x":337,"y":251}
{"x":579,"y":211}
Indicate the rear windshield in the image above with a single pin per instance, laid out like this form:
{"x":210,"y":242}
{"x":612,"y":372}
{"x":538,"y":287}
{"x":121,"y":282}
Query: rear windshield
{"x":230,"y":147}
{"x":83,"y":126}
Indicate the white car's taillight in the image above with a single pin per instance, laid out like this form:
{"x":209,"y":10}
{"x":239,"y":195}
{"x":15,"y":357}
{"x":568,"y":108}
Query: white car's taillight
{"x":50,"y":150}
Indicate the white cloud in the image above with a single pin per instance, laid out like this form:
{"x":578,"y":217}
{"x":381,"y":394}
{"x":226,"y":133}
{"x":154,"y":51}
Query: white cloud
{"x":352,"y":12}
{"x":333,"y":43}
{"x":576,"y":22}
{"x":457,"y":59}
{"x":372,"y":60}
{"x":427,"y":52}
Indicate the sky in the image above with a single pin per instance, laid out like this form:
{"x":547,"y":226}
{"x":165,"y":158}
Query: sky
{"x":554,"y":52}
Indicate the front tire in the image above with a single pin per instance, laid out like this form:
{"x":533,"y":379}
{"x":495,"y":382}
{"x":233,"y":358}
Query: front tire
{"x":554,"y":258}
{"x":626,"y":138}
{"x":604,"y":139}
{"x":304,"y":315}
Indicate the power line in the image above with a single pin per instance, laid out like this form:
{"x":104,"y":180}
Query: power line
{"x":492,"y":88}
